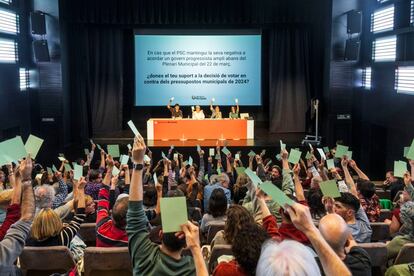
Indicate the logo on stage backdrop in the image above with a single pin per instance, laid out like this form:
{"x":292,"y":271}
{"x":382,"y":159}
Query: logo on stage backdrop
{"x":198,"y":98}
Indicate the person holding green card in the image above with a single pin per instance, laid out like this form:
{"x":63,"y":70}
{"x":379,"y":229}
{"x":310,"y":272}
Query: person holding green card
{"x":147,"y":257}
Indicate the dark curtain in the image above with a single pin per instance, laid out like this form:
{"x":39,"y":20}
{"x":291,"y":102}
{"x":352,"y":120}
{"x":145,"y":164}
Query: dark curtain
{"x":96,"y":81}
{"x":288,"y":79}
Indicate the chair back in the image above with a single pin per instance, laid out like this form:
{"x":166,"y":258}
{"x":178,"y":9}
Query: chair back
{"x":377,"y":252}
{"x":213,"y":228}
{"x":87,"y":233}
{"x":105,"y":261}
{"x":406,"y":254}
{"x":380,"y":231}
{"x":217,"y":251}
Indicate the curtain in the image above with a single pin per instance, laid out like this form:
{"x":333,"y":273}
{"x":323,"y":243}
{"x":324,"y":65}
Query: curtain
{"x":288,"y":79}
{"x":96,"y":81}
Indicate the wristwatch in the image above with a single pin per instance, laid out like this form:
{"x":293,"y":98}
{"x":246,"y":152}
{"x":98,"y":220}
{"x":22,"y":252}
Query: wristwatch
{"x":138,"y":167}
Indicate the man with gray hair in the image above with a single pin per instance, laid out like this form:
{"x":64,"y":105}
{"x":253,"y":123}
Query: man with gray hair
{"x":338,"y":235}
{"x":222,"y":183}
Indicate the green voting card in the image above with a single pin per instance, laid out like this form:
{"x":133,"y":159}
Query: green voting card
{"x":410,"y":153}
{"x":68,"y":167}
{"x":330,"y":163}
{"x":251,"y":153}
{"x":341,"y":151}
{"x":217,"y":157}
{"x":190,"y":161}
{"x":294,"y":156}
{"x":54,"y":168}
{"x":400,"y":168}
{"x":329,"y":188}
{"x":278,"y":157}
{"x":62,"y":159}
{"x":321,"y":153}
{"x":349,"y":155}
{"x":13,"y":149}
{"x":173,"y":213}
{"x":225,"y":151}
{"x":211,"y":151}
{"x":134,"y":128}
{"x":282,"y":146}
{"x":253,"y":177}
{"x":198,"y":148}
{"x":308,"y":155}
{"x":406,"y":149}
{"x":124,"y":159}
{"x":276,"y":194}
{"x":99,"y":147}
{"x":113,"y":150}
{"x":185,"y":163}
{"x":115,"y":171}
{"x":49,"y":170}
{"x":86,"y":151}
{"x":326,"y":149}
{"x":33,"y":145}
{"x":163,"y":155}
{"x":129,"y":146}
{"x":78,"y":171}
{"x":240,"y":170}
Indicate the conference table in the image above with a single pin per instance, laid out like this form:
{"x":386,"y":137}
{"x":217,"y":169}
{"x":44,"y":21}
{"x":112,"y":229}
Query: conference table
{"x":207,"y":129}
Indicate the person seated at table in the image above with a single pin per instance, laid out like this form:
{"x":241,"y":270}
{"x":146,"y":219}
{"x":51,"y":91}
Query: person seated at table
{"x":216,"y":113}
{"x":198,"y":113}
{"x":234,"y":113}
{"x":175,"y":111}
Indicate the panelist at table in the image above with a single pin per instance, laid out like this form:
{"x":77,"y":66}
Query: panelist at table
{"x":198,"y":113}
{"x":234,"y":113}
{"x":216,"y":113}
{"x":176,"y":112}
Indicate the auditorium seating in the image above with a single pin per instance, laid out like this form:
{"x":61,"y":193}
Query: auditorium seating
{"x":87,"y":233}
{"x":43,"y":261}
{"x":377,"y":251}
{"x":385,"y":214}
{"x":217,"y":251}
{"x":213,"y":229}
{"x":406,"y":254}
{"x":380,"y":231}
{"x":383,"y":194}
{"x":107,"y":261}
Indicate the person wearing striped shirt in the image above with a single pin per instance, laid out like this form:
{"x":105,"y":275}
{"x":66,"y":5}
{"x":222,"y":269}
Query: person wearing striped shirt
{"x":48,"y":229}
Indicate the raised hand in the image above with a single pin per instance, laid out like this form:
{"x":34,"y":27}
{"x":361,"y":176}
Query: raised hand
{"x":138,"y":150}
{"x":344,"y":162}
{"x":284,"y":154}
{"x":81,"y":183}
{"x":192,"y":236}
{"x":301,"y":217}
{"x":296,"y":169}
{"x":25,"y":169}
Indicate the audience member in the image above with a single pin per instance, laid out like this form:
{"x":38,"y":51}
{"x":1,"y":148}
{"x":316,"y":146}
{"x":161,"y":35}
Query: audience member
{"x":217,"y":207}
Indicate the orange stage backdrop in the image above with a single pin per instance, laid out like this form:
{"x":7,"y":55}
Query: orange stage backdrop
{"x":207,"y":129}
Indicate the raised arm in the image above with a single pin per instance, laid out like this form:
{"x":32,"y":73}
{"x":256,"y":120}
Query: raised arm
{"x":412,"y":169}
{"x":287,"y":182}
{"x":331,"y":263}
{"x":62,"y":191}
{"x":192,"y":238}
{"x":102,"y":165}
{"x":138,"y":151}
{"x":360,"y":173}
{"x":348,"y":178}
{"x":300,"y":196}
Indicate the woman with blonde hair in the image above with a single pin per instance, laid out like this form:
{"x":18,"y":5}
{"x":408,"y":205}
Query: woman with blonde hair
{"x":49,"y":230}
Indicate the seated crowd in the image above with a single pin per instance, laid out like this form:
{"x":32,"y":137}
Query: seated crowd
{"x":316,"y":235}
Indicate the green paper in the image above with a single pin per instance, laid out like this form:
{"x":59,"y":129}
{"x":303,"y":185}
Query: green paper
{"x":163,"y":155}
{"x":62,"y":159}
{"x":282,"y":146}
{"x":54,"y":169}
{"x":173,"y":213}
{"x":308,"y":155}
{"x":113,"y":150}
{"x":253,"y":177}
{"x":294,"y":156}
{"x":134,"y":128}
{"x":154,"y":176}
{"x":240,"y":170}
{"x":175,"y":156}
{"x":13,"y":150}
{"x":330,"y":163}
{"x":349,"y":154}
{"x":211,"y":152}
{"x":225,"y":151}
{"x":49,"y":170}
{"x":278,"y":157}
{"x":61,"y":155}
{"x":185,"y":163}
{"x":78,"y":171}
{"x":129,"y":146}
{"x":406,"y":149}
{"x":276,"y":194}
{"x":326,"y":149}
{"x":68,"y":167}
{"x":147,"y":159}
{"x":190,"y":161}
{"x":400,"y":168}
{"x":341,"y":151}
{"x":329,"y":188}
{"x":251,"y":153}
{"x":115,"y":171}
{"x":269,"y":163}
{"x":217,"y":157}
{"x":321,"y":153}
{"x":86,"y":151}
{"x":124,"y":159}
{"x":237,"y":156}
{"x":198,"y":148}
{"x":74,"y":163}
{"x":99,"y":147}
{"x":410,"y":153}
{"x":33,"y":145}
